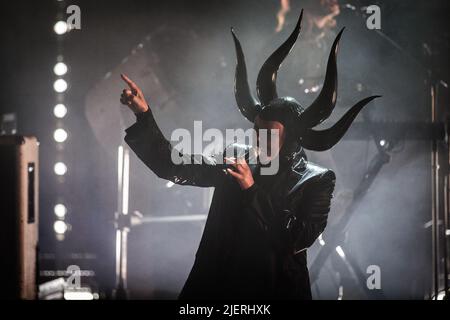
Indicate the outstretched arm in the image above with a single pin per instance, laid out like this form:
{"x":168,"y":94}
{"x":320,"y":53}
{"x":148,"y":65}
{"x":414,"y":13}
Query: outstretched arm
{"x":147,"y":141}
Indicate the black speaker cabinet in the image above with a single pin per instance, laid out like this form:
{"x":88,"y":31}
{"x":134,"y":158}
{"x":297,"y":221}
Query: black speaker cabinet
{"x":18,"y":216}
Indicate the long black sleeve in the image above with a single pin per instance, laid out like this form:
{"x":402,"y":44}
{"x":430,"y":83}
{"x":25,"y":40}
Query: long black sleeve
{"x":147,"y":141}
{"x":296,"y":227}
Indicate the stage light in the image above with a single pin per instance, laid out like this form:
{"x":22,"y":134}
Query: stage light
{"x":60,"y":210}
{"x":321,"y":241}
{"x":60,"y":168}
{"x":169,"y":184}
{"x":60,"y":110}
{"x":359,"y":87}
{"x":60,"y":27}
{"x":60,"y":227}
{"x":60,"y":85}
{"x":60,"y":69}
{"x":60,"y":135}
{"x":341,"y":293}
{"x":78,"y":294}
{"x":340,"y":252}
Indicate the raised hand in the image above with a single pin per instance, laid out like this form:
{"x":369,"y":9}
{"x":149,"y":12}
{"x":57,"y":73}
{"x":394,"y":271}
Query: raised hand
{"x":133,"y":96}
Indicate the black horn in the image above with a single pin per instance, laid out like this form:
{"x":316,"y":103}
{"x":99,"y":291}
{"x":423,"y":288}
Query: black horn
{"x":323,"y":105}
{"x":325,"y":139}
{"x":246,"y":102}
{"x":267,"y":77}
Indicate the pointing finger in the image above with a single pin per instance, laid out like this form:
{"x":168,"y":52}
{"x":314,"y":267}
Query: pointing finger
{"x":129,"y":82}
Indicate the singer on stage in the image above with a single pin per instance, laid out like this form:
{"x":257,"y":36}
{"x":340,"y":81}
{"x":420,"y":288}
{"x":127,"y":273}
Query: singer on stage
{"x":259,"y":226}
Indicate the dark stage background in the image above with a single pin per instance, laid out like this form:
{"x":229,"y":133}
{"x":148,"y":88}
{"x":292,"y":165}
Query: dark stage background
{"x":182,"y":54}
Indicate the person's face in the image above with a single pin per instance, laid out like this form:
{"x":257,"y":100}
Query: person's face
{"x":274,"y":133}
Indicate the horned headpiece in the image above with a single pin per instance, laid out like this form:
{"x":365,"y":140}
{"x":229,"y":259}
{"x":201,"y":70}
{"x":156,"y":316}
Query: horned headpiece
{"x":286,"y":109}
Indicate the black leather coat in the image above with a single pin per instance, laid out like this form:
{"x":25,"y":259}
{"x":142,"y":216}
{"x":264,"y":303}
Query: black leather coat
{"x":254,"y":242}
